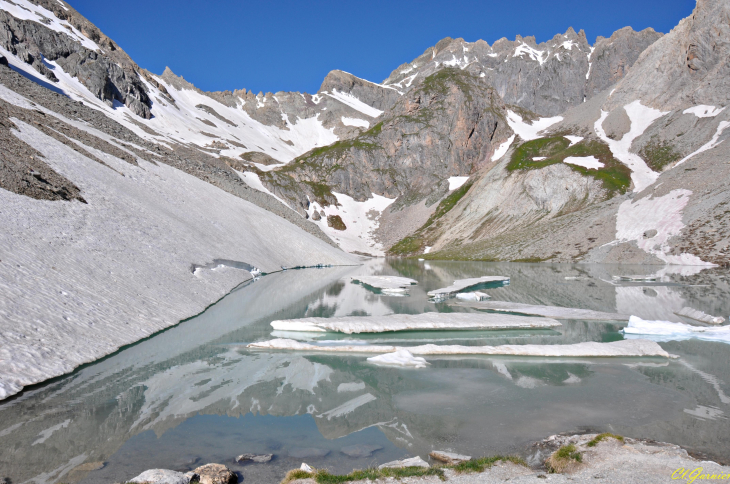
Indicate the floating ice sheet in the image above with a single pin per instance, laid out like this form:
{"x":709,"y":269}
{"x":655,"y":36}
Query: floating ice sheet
{"x":472,"y":296}
{"x":624,"y":348}
{"x":668,"y":331}
{"x":401,"y":357}
{"x":555,"y":312}
{"x":650,"y":278}
{"x":415,"y":322}
{"x":463,"y":284}
{"x":698,"y":315}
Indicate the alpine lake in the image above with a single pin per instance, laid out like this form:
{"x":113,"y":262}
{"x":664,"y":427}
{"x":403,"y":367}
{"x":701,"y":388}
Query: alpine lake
{"x":195,"y":394}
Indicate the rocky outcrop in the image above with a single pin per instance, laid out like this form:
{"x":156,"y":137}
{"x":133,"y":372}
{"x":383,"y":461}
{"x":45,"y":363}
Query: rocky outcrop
{"x":216,"y":474}
{"x":448,"y":125}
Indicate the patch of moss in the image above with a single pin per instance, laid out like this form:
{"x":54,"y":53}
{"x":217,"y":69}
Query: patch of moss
{"x":604,"y":436}
{"x":321,"y":476}
{"x":336,"y":222}
{"x":322,"y":193}
{"x":615,"y":176}
{"x":407,"y":246}
{"x":438,"y":83}
{"x":483,"y":463}
{"x":659,"y":153}
{"x":563,"y":459}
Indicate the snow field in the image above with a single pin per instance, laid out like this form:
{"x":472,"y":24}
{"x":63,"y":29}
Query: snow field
{"x":526,"y":131}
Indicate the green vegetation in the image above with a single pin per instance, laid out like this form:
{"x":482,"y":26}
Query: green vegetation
{"x":480,"y":465}
{"x":615,"y":176}
{"x":563,"y":459}
{"x":324,"y":477}
{"x":474,"y":465}
{"x":335,"y":221}
{"x":659,"y":153}
{"x":407,"y":246}
{"x":448,"y":203}
{"x":604,"y":436}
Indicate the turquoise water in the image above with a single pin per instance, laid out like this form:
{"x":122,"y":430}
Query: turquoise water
{"x":194,"y":394}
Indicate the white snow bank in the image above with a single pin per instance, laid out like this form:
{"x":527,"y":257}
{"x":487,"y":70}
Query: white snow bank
{"x":703,"y":111}
{"x":457,"y":182}
{"x":526,"y":131}
{"x":590,"y":162}
{"x":354,"y":103}
{"x":700,"y":316}
{"x":641,"y":118}
{"x":663,"y":214}
{"x":78,"y":281}
{"x":412,"y":322}
{"x":709,"y":145}
{"x":573,"y":139}
{"x":400,"y":357}
{"x":361,"y":219}
{"x":555,"y":312}
{"x":625,"y":348}
{"x":668,"y":331}
{"x":502,"y":149}
{"x":463,"y":284}
{"x":386,"y":283}
{"x":360,"y":123}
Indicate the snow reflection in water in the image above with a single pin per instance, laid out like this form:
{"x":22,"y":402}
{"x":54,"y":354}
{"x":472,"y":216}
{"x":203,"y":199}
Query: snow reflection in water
{"x":194,"y":394}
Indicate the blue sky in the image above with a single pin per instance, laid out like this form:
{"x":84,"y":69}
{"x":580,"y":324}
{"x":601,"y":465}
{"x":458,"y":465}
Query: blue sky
{"x":290,"y":45}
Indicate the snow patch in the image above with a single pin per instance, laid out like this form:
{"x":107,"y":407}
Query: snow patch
{"x":457,"y":182}
{"x":590,"y":162}
{"x":355,"y":103}
{"x":641,"y":118}
{"x":713,"y":143}
{"x":534,"y":54}
{"x":360,"y":123}
{"x":528,"y":131}
{"x":703,"y":111}
{"x":573,"y":139}
{"x":502,"y":149}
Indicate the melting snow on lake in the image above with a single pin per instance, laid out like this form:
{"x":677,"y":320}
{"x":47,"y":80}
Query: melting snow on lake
{"x":668,"y":331}
{"x":400,"y":357}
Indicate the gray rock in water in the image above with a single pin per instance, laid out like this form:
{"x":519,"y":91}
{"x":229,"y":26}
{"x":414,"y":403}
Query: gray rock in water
{"x":360,"y":450}
{"x":412,"y":462}
{"x":216,"y":474}
{"x":308,"y":452}
{"x":162,"y":476}
{"x":258,"y":458}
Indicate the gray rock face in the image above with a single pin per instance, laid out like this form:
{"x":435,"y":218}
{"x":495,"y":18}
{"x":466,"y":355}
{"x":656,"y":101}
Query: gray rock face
{"x":546,"y":78}
{"x":34,"y":43}
{"x":689,"y":66}
{"x":448,"y":125}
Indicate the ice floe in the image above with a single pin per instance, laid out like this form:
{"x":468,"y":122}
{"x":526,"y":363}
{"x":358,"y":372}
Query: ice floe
{"x":650,"y":278}
{"x":400,"y":357}
{"x":413,"y":322}
{"x":668,"y":331}
{"x":700,"y":316}
{"x":623,"y":348}
{"x":387,"y":284}
{"x":463,"y":284}
{"x":555,"y":312}
{"x":528,"y":131}
{"x":472,"y":296}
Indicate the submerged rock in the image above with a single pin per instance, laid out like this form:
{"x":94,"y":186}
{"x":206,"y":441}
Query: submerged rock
{"x":216,"y":474}
{"x":360,"y":450}
{"x":163,"y":476}
{"x":412,"y":462}
{"x":258,"y":458}
{"x":449,"y":457}
{"x":308,"y":452}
